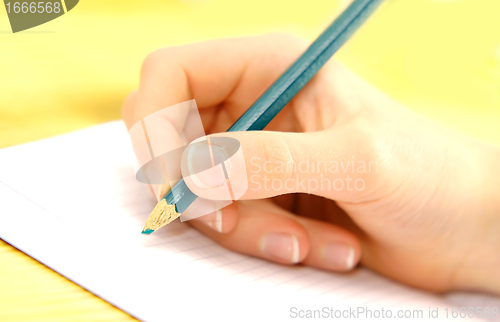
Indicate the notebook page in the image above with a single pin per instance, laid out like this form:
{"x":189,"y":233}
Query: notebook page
{"x":61,"y":196}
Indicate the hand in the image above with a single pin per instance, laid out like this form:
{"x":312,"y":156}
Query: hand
{"x":342,"y":175}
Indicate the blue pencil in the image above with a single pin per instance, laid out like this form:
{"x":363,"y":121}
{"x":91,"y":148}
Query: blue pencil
{"x":274,"y":99}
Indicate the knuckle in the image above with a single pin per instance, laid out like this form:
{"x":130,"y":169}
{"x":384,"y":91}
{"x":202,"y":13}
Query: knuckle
{"x":157,"y":60}
{"x":279,"y":158}
{"x":372,"y":151}
{"x":128,"y":107}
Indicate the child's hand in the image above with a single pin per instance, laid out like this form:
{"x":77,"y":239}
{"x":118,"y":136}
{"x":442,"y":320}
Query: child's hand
{"x":407,"y":198}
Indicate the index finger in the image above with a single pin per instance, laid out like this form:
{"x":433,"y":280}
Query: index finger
{"x":229,"y":71}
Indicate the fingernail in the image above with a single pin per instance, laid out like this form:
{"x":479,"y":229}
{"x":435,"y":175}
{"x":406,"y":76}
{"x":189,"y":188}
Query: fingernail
{"x":281,"y":246}
{"x":339,"y":256}
{"x":206,"y":165}
{"x":213,"y":221}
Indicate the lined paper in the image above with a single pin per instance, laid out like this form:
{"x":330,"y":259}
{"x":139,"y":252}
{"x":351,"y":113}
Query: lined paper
{"x":72,"y":203}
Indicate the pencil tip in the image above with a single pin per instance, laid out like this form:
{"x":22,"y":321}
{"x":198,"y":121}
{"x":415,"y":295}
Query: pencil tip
{"x":162,"y":215}
{"x":147,"y":231}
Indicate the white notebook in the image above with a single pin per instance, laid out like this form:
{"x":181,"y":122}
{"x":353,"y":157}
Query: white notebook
{"x":59,"y":198}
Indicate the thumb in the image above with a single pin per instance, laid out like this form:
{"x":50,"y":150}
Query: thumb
{"x":332,"y":163}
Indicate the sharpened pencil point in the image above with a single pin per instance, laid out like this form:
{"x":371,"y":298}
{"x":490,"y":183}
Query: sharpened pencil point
{"x":162,"y":215}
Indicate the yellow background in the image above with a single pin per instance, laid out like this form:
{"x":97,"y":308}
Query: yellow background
{"x":439,"y":57}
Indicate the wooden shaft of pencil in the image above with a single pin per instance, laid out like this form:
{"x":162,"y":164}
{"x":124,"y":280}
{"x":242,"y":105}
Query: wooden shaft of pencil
{"x":305,"y":67}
